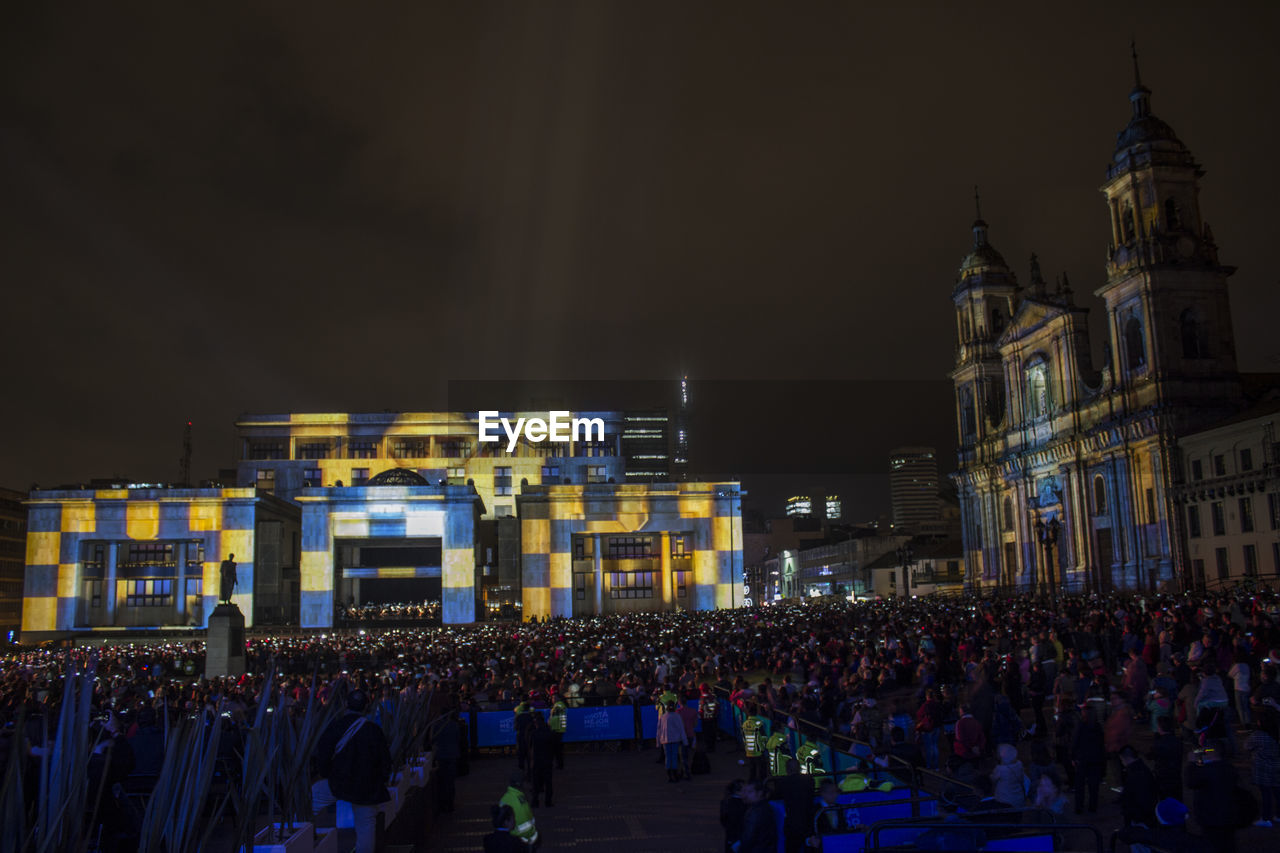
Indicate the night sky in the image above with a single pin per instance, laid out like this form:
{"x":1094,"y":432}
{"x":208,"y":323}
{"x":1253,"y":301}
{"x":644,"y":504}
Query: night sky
{"x":247,"y":208}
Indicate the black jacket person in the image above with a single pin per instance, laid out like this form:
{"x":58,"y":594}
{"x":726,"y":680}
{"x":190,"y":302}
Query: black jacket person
{"x":357,"y":773}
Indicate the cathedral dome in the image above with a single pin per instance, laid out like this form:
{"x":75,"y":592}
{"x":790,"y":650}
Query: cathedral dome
{"x":1143,"y":130}
{"x":983,"y":257}
{"x":398,"y":477}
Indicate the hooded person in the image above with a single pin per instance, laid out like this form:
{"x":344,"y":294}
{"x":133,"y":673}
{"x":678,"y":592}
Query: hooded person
{"x":1009,"y":781}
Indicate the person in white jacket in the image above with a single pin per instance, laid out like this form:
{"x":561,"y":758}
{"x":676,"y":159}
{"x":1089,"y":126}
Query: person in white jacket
{"x":671,"y":737}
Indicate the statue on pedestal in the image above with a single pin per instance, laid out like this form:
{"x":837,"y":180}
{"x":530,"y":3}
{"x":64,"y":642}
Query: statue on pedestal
{"x":228,"y":579}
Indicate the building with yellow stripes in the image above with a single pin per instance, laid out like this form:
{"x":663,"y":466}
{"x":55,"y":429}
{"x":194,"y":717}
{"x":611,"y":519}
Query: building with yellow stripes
{"x":150,"y":557}
{"x":333,"y":510}
{"x":594,"y":550}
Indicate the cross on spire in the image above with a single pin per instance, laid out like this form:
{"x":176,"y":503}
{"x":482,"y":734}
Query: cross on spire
{"x":977,"y":202}
{"x":1137,"y":76}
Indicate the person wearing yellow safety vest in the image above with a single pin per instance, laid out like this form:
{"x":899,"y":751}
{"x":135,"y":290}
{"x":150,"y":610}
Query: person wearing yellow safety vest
{"x":810,"y":759}
{"x":776,"y":748}
{"x":525,"y":829}
{"x":754,"y":730}
{"x":558,"y":721}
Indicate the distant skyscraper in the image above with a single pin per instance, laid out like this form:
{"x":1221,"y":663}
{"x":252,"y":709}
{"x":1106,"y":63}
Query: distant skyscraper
{"x":913,"y":487}
{"x":817,"y":504}
{"x":646,"y":446}
{"x":680,"y":458}
{"x":800,"y":506}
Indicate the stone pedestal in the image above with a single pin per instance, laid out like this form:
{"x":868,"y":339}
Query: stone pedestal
{"x":224,"y":644}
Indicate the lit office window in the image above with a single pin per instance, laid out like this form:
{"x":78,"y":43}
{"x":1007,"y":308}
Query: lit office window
{"x":313,"y":450}
{"x":149,"y":593}
{"x":410,"y":448}
{"x":631,"y":584}
{"x":362,"y":449}
{"x":630,"y":547}
{"x":502,"y":481}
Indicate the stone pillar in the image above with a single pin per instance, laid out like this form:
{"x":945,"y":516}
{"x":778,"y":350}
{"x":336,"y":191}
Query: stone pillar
{"x":180,"y":582}
{"x":224,"y":646}
{"x":109,"y":582}
{"x":599,"y":573}
{"x":664,"y":569}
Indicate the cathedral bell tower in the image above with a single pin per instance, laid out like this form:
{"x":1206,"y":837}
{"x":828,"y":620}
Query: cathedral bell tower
{"x":1169,"y":320}
{"x":985,"y":297}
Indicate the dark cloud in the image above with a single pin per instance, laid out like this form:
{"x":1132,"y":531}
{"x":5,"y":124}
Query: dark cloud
{"x":205,"y":210}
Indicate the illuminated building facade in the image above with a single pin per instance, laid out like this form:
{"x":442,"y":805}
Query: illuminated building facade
{"x":1228,"y":494}
{"x":283,"y":454}
{"x":800,"y":506}
{"x":835,"y":510}
{"x":331,"y":506}
{"x":1066,"y":467}
{"x":661,"y":546}
{"x":148,"y":557}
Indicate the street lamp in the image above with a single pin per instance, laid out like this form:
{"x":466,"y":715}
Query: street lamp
{"x":1048,"y":536}
{"x":905,"y":559}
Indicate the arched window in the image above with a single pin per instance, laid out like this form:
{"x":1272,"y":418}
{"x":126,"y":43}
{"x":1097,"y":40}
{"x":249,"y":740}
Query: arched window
{"x":1127,"y":223}
{"x":968,"y":421}
{"x":1008,"y":514}
{"x":1195,"y":341}
{"x":1099,"y":495}
{"x":1135,"y":348}
{"x":997,"y":321}
{"x":1037,"y":390}
{"x":1170,"y":214}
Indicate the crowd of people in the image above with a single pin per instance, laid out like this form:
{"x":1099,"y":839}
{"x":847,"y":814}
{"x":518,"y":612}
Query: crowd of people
{"x":399,"y":611}
{"x":1027,"y":705}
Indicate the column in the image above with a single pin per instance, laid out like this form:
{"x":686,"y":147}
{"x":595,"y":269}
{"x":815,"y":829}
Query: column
{"x":109,"y":581}
{"x":180,"y":582}
{"x":664,"y":569}
{"x":599,"y":573}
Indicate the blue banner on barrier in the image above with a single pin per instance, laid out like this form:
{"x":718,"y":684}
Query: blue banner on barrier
{"x":495,"y":728}
{"x":648,"y":722}
{"x":612,"y":722}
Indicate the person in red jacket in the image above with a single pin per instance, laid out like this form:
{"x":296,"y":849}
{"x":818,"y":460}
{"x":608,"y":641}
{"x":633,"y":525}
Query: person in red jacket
{"x":970,"y":740}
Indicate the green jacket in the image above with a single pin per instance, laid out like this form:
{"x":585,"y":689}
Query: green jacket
{"x":810,"y":761}
{"x":524,"y":829}
{"x":753,"y":734}
{"x":778,"y":755}
{"x":559,"y":718}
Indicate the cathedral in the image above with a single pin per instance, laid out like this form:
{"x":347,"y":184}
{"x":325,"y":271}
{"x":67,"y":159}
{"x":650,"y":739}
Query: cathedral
{"x":1067,"y":467}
